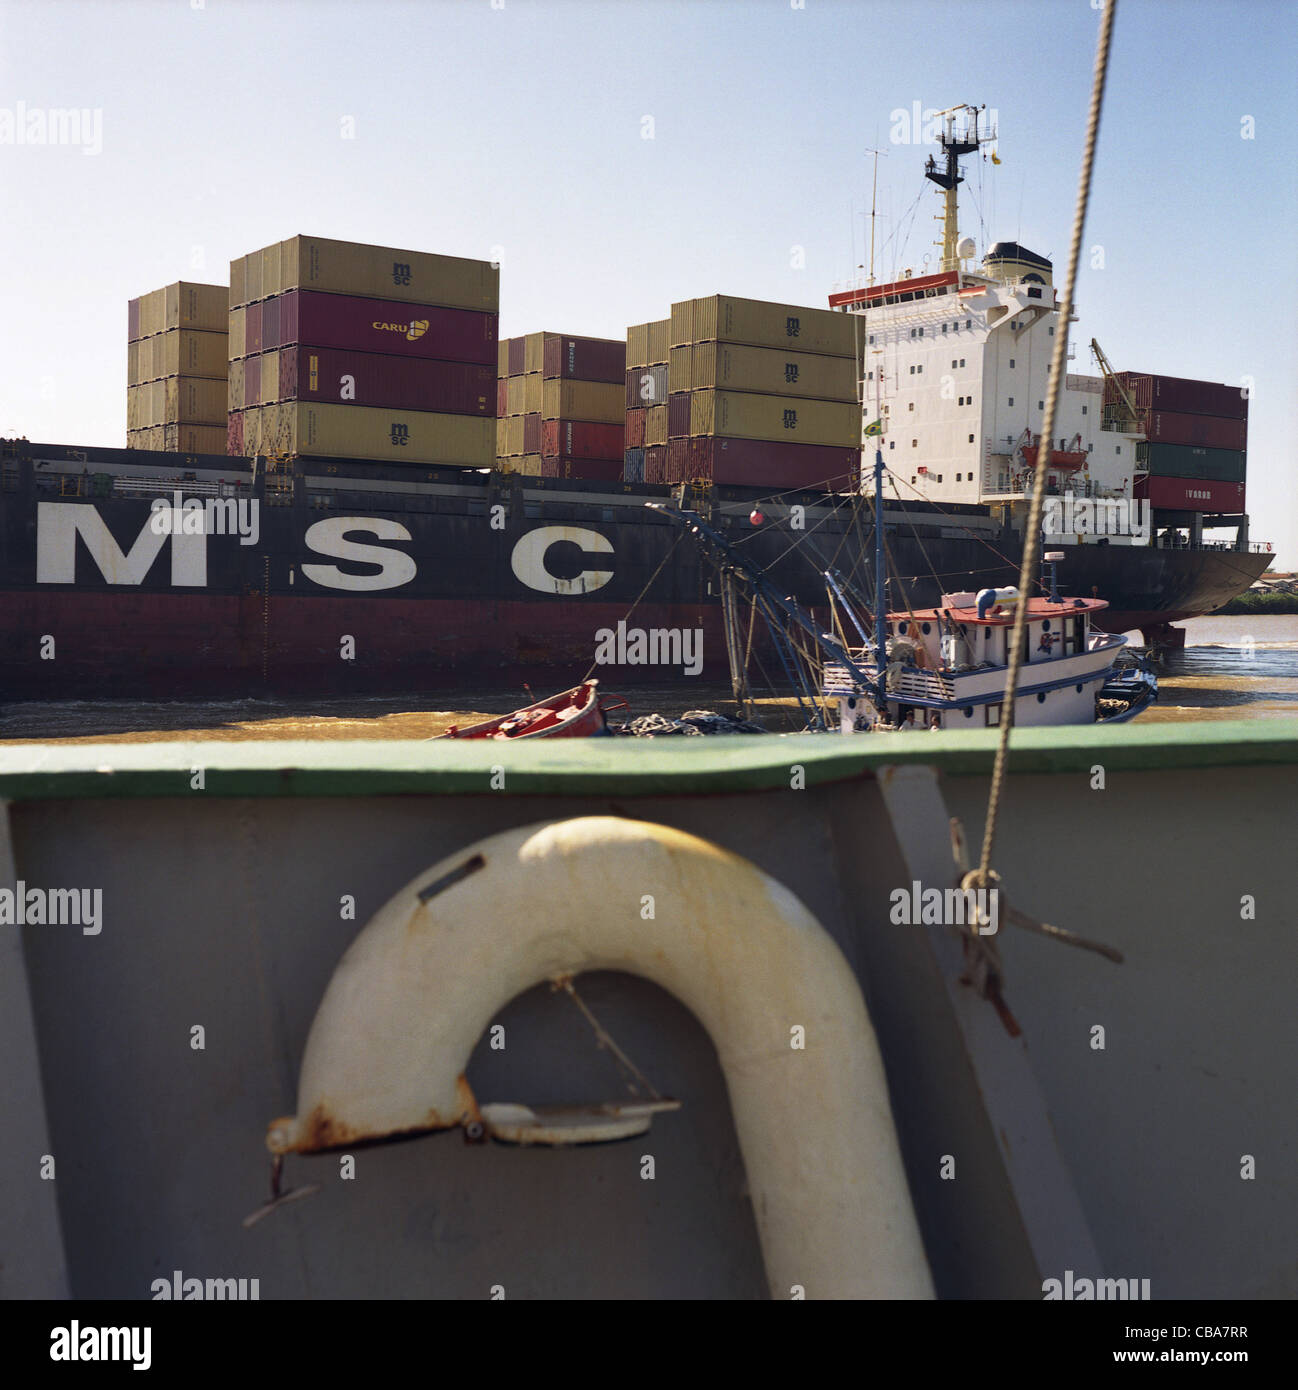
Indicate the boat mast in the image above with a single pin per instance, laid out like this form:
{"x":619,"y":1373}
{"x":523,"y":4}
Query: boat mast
{"x":947,"y":177}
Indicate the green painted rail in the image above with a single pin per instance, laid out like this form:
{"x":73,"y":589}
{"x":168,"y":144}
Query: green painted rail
{"x":610,"y":767}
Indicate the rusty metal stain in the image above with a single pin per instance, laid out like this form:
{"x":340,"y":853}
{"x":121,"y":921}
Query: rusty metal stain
{"x":322,"y":1131}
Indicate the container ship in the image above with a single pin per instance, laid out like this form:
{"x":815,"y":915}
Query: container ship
{"x":338,"y":480}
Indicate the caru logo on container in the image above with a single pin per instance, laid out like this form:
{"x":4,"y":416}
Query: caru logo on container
{"x":411,"y":331}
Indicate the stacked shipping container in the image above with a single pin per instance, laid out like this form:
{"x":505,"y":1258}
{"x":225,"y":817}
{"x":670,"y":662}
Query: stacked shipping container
{"x":559,"y":406}
{"x":351,"y":351}
{"x":762,"y":394}
{"x":647,"y":351}
{"x":1196,"y":435}
{"x":176,"y":369}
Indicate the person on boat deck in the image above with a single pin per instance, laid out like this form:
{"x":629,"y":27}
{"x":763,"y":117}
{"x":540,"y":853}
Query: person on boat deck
{"x":909,"y":721}
{"x":935,"y":721}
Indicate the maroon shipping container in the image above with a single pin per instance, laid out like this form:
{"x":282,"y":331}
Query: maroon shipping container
{"x":270,"y":315}
{"x":601,"y":470}
{"x":234,"y":433}
{"x":655,"y":457}
{"x":1204,"y":431}
{"x":579,"y":439}
{"x":251,"y":380}
{"x":502,"y":397}
{"x":517,"y":356}
{"x":635,"y":428}
{"x":1191,"y":494}
{"x":314,"y":319}
{"x":633,"y":387}
{"x":132,"y":320}
{"x":584,"y":359}
{"x":391,"y":383}
{"x":532,"y":433}
{"x":253,"y":341}
{"x":678,"y":414}
{"x":1181,"y":395}
{"x":760,"y":463}
{"x":675,"y":465}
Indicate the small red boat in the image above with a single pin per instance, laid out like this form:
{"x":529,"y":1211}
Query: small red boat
{"x":576,"y":713}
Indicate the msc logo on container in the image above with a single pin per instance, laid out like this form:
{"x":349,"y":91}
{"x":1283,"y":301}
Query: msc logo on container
{"x":400,"y":436}
{"x":792,"y":326}
{"x":411,"y":331}
{"x":400,"y":273}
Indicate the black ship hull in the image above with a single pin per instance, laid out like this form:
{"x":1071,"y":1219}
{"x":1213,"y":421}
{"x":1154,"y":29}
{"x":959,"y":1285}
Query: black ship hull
{"x":354,"y":579}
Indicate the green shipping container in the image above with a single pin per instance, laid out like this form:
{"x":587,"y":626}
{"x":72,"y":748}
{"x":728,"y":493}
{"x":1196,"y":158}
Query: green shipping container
{"x":1189,"y":461}
{"x":723,"y":318}
{"x":390,"y":436}
{"x":599,"y":402}
{"x":381,"y":272}
{"x":741,"y":415}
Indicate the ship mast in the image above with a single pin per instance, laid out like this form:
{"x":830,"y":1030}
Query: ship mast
{"x":955,"y":143}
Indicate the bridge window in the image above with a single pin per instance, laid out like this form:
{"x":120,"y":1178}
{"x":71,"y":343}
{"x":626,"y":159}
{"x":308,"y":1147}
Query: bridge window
{"x":971,"y":441}
{"x":1011,"y":400}
{"x":1083,"y":410}
{"x":1011,"y":361}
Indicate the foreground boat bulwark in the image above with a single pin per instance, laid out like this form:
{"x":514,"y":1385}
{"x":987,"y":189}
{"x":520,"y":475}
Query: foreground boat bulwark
{"x":220,"y":909}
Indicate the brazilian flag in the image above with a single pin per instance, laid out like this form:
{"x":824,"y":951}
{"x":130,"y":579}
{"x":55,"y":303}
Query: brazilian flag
{"x":874,"y":428}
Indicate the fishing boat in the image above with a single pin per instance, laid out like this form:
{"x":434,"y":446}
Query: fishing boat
{"x":575,"y":713}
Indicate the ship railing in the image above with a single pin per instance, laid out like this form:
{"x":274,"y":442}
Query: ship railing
{"x":157,"y":487}
{"x":921,"y":685}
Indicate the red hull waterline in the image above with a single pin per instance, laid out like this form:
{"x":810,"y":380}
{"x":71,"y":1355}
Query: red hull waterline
{"x":185,"y":646}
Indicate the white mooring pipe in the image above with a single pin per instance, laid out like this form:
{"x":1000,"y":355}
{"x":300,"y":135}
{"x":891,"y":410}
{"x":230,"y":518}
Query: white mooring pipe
{"x":420,"y":984}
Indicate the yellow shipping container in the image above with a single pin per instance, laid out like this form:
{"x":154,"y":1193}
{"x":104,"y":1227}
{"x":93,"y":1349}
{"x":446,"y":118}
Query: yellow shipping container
{"x":234,"y":394}
{"x":655,"y":425}
{"x":526,"y":465}
{"x":509,"y":436}
{"x":723,"y":318}
{"x":238,"y":281}
{"x":153,"y":313}
{"x":533,"y":393}
{"x":515,"y":395}
{"x":272,"y":279}
{"x":238,"y":333}
{"x":768,"y":371}
{"x":153,"y":406}
{"x":133,"y":364}
{"x":534,"y":352}
{"x":204,"y":307}
{"x":390,"y":436}
{"x":660,"y":339}
{"x":269,"y":378}
{"x":191,"y":352}
{"x":252,"y":277}
{"x":136,"y":408}
{"x":637,"y":346}
{"x":195,"y":400}
{"x":418,"y":277}
{"x":252,"y":430}
{"x":194,"y":439}
{"x":602,"y":402}
{"x":742,"y":415}
{"x":502,"y":358}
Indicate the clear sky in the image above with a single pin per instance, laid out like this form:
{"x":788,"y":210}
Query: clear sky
{"x":516,"y":130}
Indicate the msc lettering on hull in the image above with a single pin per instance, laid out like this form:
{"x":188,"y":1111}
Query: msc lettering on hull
{"x":59,"y":526}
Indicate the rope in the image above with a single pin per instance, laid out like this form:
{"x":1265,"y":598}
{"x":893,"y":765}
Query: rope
{"x":605,"y":1039}
{"x":1031,"y":541}
{"x":640,"y":598}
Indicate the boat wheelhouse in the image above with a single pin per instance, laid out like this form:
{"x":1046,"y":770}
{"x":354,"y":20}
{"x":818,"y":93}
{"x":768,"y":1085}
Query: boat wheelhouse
{"x":946,"y":666}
